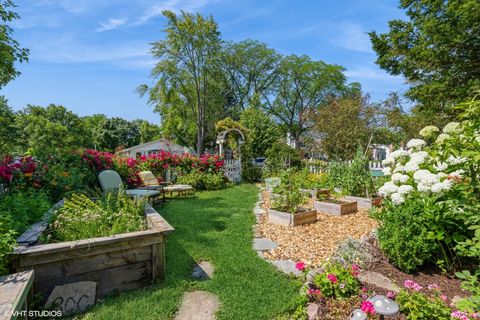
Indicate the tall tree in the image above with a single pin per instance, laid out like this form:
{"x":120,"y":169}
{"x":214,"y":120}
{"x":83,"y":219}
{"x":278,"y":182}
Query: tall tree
{"x":345,"y":125}
{"x":437,"y":50}
{"x":251,"y":69}
{"x":187,"y":59}
{"x":116,"y":133}
{"x":8,"y":131}
{"x":263,"y":131}
{"x":10,"y":50}
{"x":148,"y":131}
{"x":302,"y":86}
{"x":48,"y":130}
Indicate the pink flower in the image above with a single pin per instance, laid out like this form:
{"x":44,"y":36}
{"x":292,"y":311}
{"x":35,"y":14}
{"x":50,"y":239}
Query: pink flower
{"x":409,"y":284}
{"x":433,"y":286}
{"x":318,"y":291}
{"x":391,"y":295}
{"x":300,"y":266}
{"x":364,"y":296}
{"x":475,"y":315}
{"x":310,"y":291}
{"x":368,"y":307}
{"x":364,"y":289}
{"x":332,"y":278}
{"x":444,"y":298}
{"x":457,"y":314}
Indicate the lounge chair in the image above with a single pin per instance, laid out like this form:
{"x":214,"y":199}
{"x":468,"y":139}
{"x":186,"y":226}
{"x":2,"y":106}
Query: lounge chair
{"x":110,"y":181}
{"x":150,"y":181}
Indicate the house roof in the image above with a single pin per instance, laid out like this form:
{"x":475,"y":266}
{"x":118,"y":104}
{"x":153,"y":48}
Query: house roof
{"x":170,"y":144}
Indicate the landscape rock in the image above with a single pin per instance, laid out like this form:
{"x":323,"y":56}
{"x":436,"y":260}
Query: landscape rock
{"x":286,"y":266}
{"x":263,"y":244}
{"x":377,"y":279}
{"x":73,"y":297}
{"x":312,"y":311}
{"x":202,"y":270}
{"x":198,"y":305}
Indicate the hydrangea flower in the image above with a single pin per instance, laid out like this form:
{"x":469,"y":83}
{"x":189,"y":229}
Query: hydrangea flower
{"x":455,"y":160}
{"x":387,"y":188}
{"x":416,"y":144}
{"x":405,"y":189}
{"x":387,"y":171}
{"x":429,"y":131}
{"x":398,"y":177}
{"x":399,"y":153}
{"x":418,"y":157}
{"x":442,"y":137}
{"x":452,"y":127}
{"x":440,"y":166}
{"x":411,"y":166}
{"x":399,"y":168}
{"x":397,"y":198}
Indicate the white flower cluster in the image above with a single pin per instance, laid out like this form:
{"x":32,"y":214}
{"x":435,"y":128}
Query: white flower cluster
{"x":407,"y":173}
{"x":429,"y":131}
{"x":451,"y":127}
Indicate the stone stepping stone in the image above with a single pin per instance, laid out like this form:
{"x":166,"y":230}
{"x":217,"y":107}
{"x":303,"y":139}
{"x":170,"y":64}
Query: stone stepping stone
{"x":286,"y":266}
{"x":258,"y":211}
{"x":198,"y":305}
{"x":263,"y":244}
{"x":312,"y":311}
{"x":202,"y":270}
{"x":377,"y":279}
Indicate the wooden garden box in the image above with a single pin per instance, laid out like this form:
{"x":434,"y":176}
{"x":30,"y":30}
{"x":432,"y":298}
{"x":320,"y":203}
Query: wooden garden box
{"x":288,"y":219}
{"x":315,"y":192}
{"x":117,"y":263}
{"x":365,"y":203}
{"x":337,"y":208}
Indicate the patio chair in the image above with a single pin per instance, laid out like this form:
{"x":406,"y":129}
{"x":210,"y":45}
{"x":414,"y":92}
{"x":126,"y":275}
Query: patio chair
{"x":150,"y":181}
{"x":110,"y":181}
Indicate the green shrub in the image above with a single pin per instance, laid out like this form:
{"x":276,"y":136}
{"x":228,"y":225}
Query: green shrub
{"x":406,"y":234}
{"x":418,"y":306}
{"x":17,"y":212}
{"x":81,"y":217}
{"x":338,"y":280}
{"x":213,"y":181}
{"x":281,"y":156}
{"x":290,"y":198}
{"x":202,"y":180}
{"x":470,"y":283}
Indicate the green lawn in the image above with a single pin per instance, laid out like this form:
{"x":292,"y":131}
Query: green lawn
{"x":215,"y":226}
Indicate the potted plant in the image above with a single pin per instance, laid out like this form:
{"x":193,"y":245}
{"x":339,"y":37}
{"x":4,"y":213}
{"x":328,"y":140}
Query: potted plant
{"x":289,"y":207}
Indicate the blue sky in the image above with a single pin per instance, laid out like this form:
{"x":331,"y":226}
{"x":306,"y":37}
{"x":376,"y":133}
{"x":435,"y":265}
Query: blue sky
{"x":90,"y":55}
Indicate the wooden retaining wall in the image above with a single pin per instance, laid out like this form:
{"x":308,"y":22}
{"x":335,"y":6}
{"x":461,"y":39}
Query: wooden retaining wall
{"x":117,"y":263}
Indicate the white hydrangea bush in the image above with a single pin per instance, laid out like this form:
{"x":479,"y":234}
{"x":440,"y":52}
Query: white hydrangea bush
{"x":420,"y":169}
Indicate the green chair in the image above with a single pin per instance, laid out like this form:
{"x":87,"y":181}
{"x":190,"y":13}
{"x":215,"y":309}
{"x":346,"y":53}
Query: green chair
{"x":110,"y":181}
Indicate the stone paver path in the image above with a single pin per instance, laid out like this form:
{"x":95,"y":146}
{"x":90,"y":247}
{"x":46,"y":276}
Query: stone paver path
{"x":198,"y":305}
{"x":263,"y":244}
{"x":286,"y":266}
{"x":202,"y":270}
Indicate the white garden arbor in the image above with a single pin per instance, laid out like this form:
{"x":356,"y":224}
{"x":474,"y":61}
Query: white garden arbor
{"x":232,"y":167}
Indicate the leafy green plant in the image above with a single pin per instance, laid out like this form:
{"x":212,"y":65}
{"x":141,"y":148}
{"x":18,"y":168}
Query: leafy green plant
{"x":471,"y":283}
{"x":281,"y":156}
{"x":213,"y":181}
{"x":81,"y":217}
{"x":202,"y":180}
{"x":289,"y":199}
{"x":338,"y":280}
{"x":353,"y":179}
{"x":406,"y":234}
{"x":416,"y":305}
{"x":18,"y":211}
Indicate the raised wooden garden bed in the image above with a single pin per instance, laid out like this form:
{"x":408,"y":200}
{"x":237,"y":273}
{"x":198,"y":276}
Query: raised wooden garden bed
{"x":336,"y":207}
{"x":365,"y":203}
{"x":288,"y":219}
{"x":109,"y":264}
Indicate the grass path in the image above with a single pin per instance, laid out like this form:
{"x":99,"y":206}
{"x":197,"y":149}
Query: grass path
{"x":216,"y":226}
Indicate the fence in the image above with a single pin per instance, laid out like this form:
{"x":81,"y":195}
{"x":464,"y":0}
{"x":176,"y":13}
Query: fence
{"x":319,"y":168}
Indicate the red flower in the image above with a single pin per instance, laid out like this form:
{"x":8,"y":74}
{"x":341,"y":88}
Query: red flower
{"x":300,"y":266}
{"x":332,"y":278}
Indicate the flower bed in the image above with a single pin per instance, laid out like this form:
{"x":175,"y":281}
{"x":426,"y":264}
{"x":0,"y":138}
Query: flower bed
{"x":114,"y":263}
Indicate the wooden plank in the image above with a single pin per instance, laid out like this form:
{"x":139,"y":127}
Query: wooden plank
{"x":113,"y":277}
{"x":25,"y":260}
{"x":14,"y":291}
{"x":87,"y":243}
{"x":61,"y":269}
{"x":158,"y":261}
{"x":111,"y":290}
{"x":31,"y":235}
{"x":156,"y":221}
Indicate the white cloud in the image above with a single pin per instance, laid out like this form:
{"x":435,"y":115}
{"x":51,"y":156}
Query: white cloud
{"x":352,"y":37}
{"x":155,"y":10}
{"x":111,"y":24}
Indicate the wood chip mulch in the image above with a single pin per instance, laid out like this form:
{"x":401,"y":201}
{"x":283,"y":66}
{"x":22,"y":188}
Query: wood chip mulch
{"x":315,"y":242}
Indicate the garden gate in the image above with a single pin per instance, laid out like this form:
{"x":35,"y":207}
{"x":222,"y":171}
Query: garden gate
{"x":232,"y":167}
